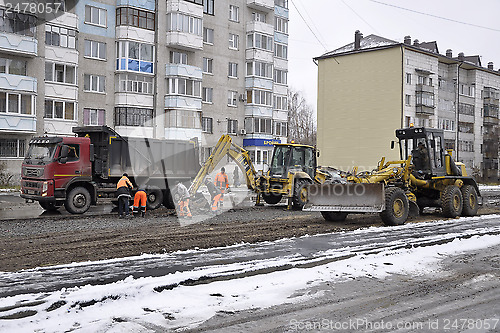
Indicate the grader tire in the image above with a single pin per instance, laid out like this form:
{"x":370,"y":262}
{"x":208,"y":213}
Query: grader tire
{"x":397,"y":207}
{"x":470,"y":203}
{"x":451,"y":201}
{"x":300,"y":193}
{"x":334,"y":216}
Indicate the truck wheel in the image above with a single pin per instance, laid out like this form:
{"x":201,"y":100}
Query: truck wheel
{"x":49,"y":206}
{"x":451,"y":201}
{"x":155,"y":198}
{"x":300,"y":193}
{"x":272,"y":199}
{"x":397,"y":207}
{"x":469,"y":196}
{"x":334,"y":216}
{"x":77,"y":201}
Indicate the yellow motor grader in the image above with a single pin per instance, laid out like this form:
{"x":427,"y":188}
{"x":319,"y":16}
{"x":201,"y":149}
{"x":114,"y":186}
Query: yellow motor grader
{"x":426,"y":176}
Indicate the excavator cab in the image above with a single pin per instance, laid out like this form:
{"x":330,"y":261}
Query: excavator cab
{"x":292,"y":157}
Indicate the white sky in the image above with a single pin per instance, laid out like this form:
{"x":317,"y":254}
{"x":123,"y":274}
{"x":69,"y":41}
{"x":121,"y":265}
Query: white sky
{"x":335,"y":21}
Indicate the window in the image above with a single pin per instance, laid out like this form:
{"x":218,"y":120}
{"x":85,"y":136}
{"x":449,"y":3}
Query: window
{"x":464,"y":127}
{"x":184,"y":23}
{"x":430,"y":81}
{"x":59,"y":109}
{"x":422,"y":79}
{"x":280,"y":103}
{"x":446,"y":124}
{"x":408,"y":100}
{"x":260,"y":41}
{"x":12,"y":66}
{"x":17,"y":103}
{"x":95,"y":15}
{"x":467,"y":109}
{"x":60,"y":73}
{"x":177,"y":57}
{"x":280,"y":129}
{"x":232,"y":97}
{"x":134,"y":83}
{"x":466,"y":146}
{"x":134,"y":56}
{"x":234,"y":13}
{"x":94,"y":83}
{"x":182,"y":86}
{"x":94,"y":117}
{"x":208,"y":7}
{"x":258,"y":125}
{"x":207,"y":94}
{"x":280,"y":76}
{"x":95,"y":49}
{"x":198,"y":2}
{"x":281,"y":24}
{"x":183,"y":119}
{"x":259,"y":17}
{"x":57,"y":36}
{"x":12,"y":148}
{"x":233,"y":70}
{"x":207,"y":124}
{"x":135,"y":18}
{"x":232,"y":126}
{"x":17,"y":23}
{"x":424,"y":99}
{"x":131,"y":116}
{"x":260,"y":97}
{"x":261,"y":69}
{"x":281,"y":51}
{"x":208,"y":36}
{"x":234,"y":41}
{"x":281,"y":3}
{"x":208,"y":65}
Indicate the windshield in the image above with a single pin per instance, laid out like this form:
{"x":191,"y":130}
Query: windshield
{"x":41,"y":152}
{"x":280,"y":158}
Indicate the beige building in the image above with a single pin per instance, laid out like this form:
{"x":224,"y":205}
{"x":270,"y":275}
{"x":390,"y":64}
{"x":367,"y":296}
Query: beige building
{"x":369,"y":88}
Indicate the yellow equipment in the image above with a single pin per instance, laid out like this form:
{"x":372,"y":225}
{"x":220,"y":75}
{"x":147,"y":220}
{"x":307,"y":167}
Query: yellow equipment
{"x":426,"y":176}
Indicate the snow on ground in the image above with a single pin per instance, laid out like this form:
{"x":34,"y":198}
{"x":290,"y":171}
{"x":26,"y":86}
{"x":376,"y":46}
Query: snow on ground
{"x":487,"y":188}
{"x":132,"y":304}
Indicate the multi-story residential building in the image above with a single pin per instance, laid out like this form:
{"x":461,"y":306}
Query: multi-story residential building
{"x":372,"y":86}
{"x":173,"y":69}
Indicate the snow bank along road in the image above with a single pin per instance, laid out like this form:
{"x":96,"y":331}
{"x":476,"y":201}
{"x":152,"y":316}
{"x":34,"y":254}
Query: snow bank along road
{"x":431,"y":275}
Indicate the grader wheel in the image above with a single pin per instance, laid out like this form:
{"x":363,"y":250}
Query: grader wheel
{"x":451,"y":201}
{"x":397,"y":207}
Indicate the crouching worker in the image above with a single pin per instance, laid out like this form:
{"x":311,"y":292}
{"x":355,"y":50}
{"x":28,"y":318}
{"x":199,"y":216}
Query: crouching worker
{"x":140,"y":199}
{"x":215,"y":194}
{"x":184,"y":196}
{"x":123,"y":193}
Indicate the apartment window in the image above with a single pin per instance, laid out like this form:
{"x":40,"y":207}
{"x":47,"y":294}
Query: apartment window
{"x":281,"y":51}
{"x":422,"y":80}
{"x":208,"y":7}
{"x":17,"y":103}
{"x":94,"y":83}
{"x":134,"y":83}
{"x":466,"y":146}
{"x":234,"y":13}
{"x":184,"y":23}
{"x":134,"y":56}
{"x":281,"y":3}
{"x":207,"y":124}
{"x":208,"y":36}
{"x":60,"y":73}
{"x":281,"y":25}
{"x":408,"y":100}
{"x":95,"y":15}
{"x":258,"y":125}
{"x":208,"y":65}
{"x":234,"y":41}
{"x":259,"y":97}
{"x":430,"y":81}
{"x":232,"y":96}
{"x":207,"y":94}
{"x":232,"y":126}
{"x":59,"y":109}
{"x":260,"y":41}
{"x":95,"y":49}
{"x":182,"y":86}
{"x":464,"y":127}
{"x":446,"y":124}
{"x":259,"y":17}
{"x":17,"y":23}
{"x":262,"y":69}
{"x":408,"y":78}
{"x":57,"y":36}
{"x":177,"y":57}
{"x":131,"y":116}
{"x":425,"y":99}
{"x":135,"y":18}
{"x":94,"y":117}
{"x":233,"y":70}
{"x":467,"y":109}
{"x":280,"y":76}
{"x":183,"y":119}
{"x":12,"y":66}
{"x":280,"y":103}
{"x":280,"y":129}
{"x":12,"y":148}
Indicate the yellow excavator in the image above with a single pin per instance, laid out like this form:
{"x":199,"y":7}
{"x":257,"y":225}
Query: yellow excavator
{"x":292,"y":167}
{"x":425,"y":176}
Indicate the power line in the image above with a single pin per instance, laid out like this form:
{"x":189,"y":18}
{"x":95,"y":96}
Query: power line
{"x":435,"y":16}
{"x":312,"y":23}
{"x":307,"y":24}
{"x":362,"y":19}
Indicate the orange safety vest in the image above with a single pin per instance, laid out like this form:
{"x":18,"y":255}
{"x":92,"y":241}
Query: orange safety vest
{"x":221,"y":180}
{"x":124,"y":181}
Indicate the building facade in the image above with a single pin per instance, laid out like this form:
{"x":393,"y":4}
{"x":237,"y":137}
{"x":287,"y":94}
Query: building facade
{"x":173,"y":69}
{"x":371,"y":87}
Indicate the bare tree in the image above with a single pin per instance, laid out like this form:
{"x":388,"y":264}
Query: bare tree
{"x":301,"y":120}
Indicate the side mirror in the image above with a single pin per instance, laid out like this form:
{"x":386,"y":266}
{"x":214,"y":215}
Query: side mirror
{"x":64,"y":152}
{"x":63,"y":160}
{"x":392,"y":144}
{"x":317,"y":153}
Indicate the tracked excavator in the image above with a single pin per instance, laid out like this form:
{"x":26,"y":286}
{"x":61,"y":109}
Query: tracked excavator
{"x":425,"y":176}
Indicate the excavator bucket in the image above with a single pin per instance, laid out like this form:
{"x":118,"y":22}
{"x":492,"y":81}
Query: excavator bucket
{"x":348,"y":198}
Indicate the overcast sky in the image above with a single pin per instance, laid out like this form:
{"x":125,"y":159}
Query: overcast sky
{"x":335,"y":21}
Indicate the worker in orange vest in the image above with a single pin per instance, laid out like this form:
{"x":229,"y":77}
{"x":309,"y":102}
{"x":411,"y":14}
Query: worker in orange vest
{"x":140,"y":200}
{"x":123,"y":193}
{"x":214,"y":194}
{"x":222,"y":183}
{"x":184,"y":196}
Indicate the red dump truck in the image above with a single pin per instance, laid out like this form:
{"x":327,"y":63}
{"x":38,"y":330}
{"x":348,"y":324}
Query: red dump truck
{"x":77,"y":171}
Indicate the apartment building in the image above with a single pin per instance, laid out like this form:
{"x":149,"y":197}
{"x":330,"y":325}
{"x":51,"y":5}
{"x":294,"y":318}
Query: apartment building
{"x":374,"y":85}
{"x":173,"y":69}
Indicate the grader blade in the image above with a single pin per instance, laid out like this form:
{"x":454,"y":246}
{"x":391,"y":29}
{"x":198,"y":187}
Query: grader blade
{"x":349,"y":198}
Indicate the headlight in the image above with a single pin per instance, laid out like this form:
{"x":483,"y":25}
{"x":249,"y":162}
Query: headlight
{"x":45,"y":186}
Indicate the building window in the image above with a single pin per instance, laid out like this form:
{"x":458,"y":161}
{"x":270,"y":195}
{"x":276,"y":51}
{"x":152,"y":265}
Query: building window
{"x":208,"y":65}
{"x":95,"y":15}
{"x":464,"y":127}
{"x":467,"y":109}
{"x":234,"y":41}
{"x":198,"y":2}
{"x":233,"y":70}
{"x":177,"y":57}
{"x":134,"y":56}
{"x":94,"y":117}
{"x":17,"y":103}
{"x":208,"y":36}
{"x":17,"y":22}
{"x":12,"y":148}
{"x":259,"y":17}
{"x":183,"y":119}
{"x":184,"y":23}
{"x":281,"y":3}
{"x":408,"y":100}
{"x":232,"y":96}
{"x":280,"y":76}
{"x":280,"y":103}
{"x":258,"y":125}
{"x":60,"y":73}
{"x":408,"y":78}
{"x":261,"y":69}
{"x":260,"y":41}
{"x":281,"y":51}
{"x":12,"y":66}
{"x":135,"y":18}
{"x":207,"y":124}
{"x":234,"y":13}
{"x":59,"y":109}
{"x":280,"y":128}
{"x":281,"y":24}
{"x":134,"y":83}
{"x":424,"y":99}
{"x":466,"y":146}
{"x":422,"y":80}
{"x":130,"y":116}
{"x":94,"y":83}
{"x":446,"y":124}
{"x":95,"y":49}
{"x":57,"y":36}
{"x":208,"y":7}
{"x":232,"y":126}
{"x":259,"y":97}
{"x":207,"y":94}
{"x":182,"y":86}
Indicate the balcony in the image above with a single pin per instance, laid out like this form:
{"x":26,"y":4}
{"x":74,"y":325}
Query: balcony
{"x":425,"y":110}
{"x":259,"y":54}
{"x":61,"y":90}
{"x":14,"y":122}
{"x":254,"y":26}
{"x":258,"y":82}
{"x":281,"y":11}
{"x":143,"y":4}
{"x":262,"y":5}
{"x":131,"y":99}
{"x":127,"y":32}
{"x":258,"y":111}
{"x":182,"y":102}
{"x":184,"y":134}
{"x":183,"y":70}
{"x":185,"y":7}
{"x":425,"y":88}
{"x":184,"y":41}
{"x":18,"y":44}
{"x":490,"y":120}
{"x":66,"y":19}
{"x":17,"y":83}
{"x":61,"y":54}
